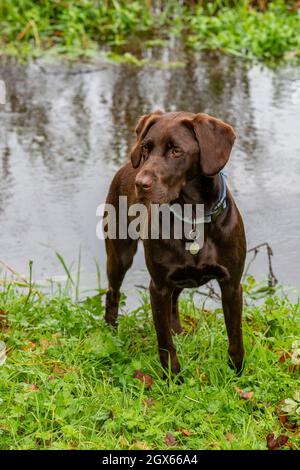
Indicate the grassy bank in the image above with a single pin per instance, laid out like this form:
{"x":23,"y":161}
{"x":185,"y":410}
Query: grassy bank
{"x":83,"y":27}
{"x":69,"y":381}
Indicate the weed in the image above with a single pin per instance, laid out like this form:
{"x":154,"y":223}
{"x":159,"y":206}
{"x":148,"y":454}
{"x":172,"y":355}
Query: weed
{"x":70,"y":381}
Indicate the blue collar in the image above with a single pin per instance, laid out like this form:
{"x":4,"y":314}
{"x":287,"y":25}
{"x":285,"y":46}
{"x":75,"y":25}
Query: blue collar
{"x":221,"y":203}
{"x":217,"y":209}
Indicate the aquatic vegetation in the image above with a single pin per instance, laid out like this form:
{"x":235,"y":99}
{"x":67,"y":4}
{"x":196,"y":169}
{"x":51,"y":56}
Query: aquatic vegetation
{"x":268,"y":31}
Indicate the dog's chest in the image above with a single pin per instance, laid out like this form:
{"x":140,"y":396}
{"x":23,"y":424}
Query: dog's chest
{"x":195,"y":276}
{"x":184,"y":269}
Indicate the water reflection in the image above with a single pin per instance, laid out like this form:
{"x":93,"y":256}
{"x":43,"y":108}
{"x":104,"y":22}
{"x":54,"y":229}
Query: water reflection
{"x":63,"y":133}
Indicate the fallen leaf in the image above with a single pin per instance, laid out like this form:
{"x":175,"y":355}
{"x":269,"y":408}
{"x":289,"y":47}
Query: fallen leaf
{"x":291,"y":425}
{"x":185,"y":331}
{"x":296,"y":344}
{"x":149,"y":402}
{"x":3,"y":315}
{"x":139,"y":445}
{"x":293,"y":368}
{"x":170,"y":439}
{"x":284,"y":419}
{"x":297,"y":395}
{"x":289,"y":405}
{"x":295,"y":359}
{"x":229,"y":437}
{"x":58,"y":370}
{"x":244,"y":395}
{"x":296,"y":6}
{"x":185,"y":432}
{"x":5,"y":427}
{"x":32,"y":388}
{"x":193,"y":322}
{"x":29,"y":345}
{"x":284,"y":357}
{"x":213,"y":445}
{"x":72,"y":444}
{"x":145,"y":378}
{"x":123,"y":441}
{"x":45,"y":343}
{"x":57,"y":335}
{"x":275,"y":443}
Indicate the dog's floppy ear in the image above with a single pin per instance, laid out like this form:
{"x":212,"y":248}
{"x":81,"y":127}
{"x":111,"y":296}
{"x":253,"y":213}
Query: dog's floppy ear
{"x":142,"y":127}
{"x":215,"y":139}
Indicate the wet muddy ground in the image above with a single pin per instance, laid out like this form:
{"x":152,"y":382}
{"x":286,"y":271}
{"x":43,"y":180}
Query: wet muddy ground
{"x":65,"y":129}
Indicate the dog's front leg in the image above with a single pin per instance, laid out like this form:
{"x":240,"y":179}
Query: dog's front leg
{"x":161,"y":303}
{"x":175,"y":318}
{"x":232,"y":301}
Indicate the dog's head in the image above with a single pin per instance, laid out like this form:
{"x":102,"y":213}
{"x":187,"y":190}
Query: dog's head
{"x":173,"y":148}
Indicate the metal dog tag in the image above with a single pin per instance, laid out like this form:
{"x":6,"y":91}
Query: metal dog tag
{"x":194,"y":248}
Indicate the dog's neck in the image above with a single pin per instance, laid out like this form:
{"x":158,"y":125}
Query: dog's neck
{"x":201,"y":190}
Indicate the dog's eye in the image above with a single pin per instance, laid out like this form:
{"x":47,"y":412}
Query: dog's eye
{"x":144,"y":152}
{"x":175,"y":152}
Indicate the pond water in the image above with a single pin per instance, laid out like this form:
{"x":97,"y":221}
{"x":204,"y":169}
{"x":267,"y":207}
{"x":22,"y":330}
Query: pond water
{"x":65,"y":129}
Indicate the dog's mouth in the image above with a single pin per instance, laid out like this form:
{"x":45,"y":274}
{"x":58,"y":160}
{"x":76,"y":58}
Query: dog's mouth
{"x":157,"y":197}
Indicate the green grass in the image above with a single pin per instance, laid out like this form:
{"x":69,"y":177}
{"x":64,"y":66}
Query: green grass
{"x":68,"y":380}
{"x":83,"y":27}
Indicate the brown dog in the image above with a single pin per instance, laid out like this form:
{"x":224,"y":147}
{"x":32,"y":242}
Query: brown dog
{"x":178,"y":157}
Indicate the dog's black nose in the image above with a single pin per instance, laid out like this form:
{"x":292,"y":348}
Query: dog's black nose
{"x":143,"y":182}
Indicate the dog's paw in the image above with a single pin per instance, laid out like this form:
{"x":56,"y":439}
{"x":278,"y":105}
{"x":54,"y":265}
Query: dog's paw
{"x":178,"y":379}
{"x":238,"y":367}
{"x":175,"y":378}
{"x":177,"y":331}
{"x":111,"y":321}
